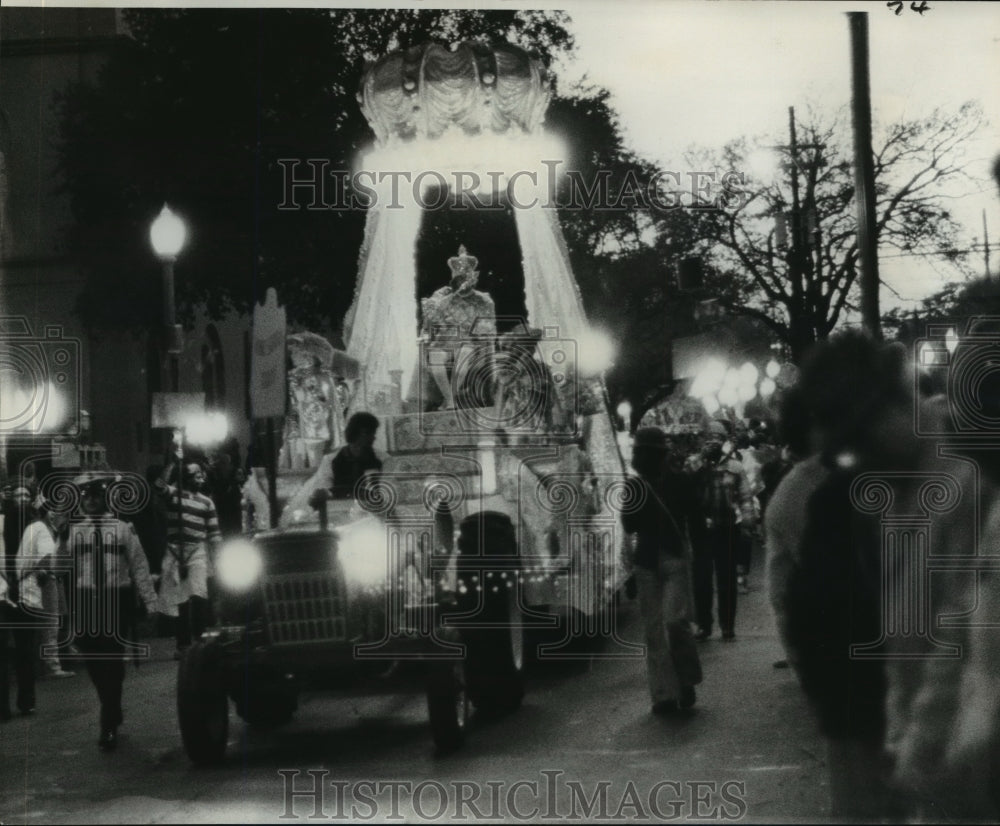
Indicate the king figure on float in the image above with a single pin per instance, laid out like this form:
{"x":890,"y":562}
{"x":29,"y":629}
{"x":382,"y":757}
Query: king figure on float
{"x":459,"y":328}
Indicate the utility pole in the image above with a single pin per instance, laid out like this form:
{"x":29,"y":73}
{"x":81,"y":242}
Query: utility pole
{"x":864,"y":173}
{"x":986,"y":247}
{"x":801,"y":268}
{"x":796,"y":259}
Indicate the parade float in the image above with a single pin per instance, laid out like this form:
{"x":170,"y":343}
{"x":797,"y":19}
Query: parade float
{"x":496,"y":511}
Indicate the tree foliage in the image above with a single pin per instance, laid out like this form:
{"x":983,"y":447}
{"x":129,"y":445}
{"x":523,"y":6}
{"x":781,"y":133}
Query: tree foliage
{"x":801,"y":291}
{"x":195,"y":109}
{"x":955,"y":304}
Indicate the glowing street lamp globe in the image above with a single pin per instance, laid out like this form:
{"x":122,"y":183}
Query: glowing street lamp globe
{"x":596,"y":352}
{"x":207,"y":428}
{"x":167,"y":234}
{"x":748,"y":374}
{"x":951,"y":340}
{"x":728,"y":396}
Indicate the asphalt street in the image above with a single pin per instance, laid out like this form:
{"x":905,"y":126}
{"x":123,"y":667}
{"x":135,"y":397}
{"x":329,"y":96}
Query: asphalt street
{"x":584,"y":747}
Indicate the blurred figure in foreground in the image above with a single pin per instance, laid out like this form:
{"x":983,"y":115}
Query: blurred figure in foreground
{"x":911,"y":734}
{"x":823,"y":563}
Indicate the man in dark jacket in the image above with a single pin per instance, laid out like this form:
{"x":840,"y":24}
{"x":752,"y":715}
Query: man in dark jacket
{"x":352,"y":461}
{"x":727,"y":501}
{"x":661,"y":573}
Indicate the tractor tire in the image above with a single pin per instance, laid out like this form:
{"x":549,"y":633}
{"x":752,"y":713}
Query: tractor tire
{"x":266,"y":709}
{"x":494,"y":661}
{"x":447,"y":706}
{"x":202,"y":705}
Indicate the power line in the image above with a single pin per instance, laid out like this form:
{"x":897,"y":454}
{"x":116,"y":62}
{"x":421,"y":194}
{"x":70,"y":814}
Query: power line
{"x":977,"y":247}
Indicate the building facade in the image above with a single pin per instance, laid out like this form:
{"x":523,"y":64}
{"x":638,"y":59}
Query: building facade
{"x":42,"y":51}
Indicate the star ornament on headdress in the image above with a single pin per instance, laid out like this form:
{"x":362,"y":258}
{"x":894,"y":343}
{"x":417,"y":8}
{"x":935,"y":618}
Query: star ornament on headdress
{"x":462,"y":265}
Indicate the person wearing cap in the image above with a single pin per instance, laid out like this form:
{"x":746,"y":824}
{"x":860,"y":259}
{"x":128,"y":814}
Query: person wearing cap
{"x":187,"y":565}
{"x":661,"y":574}
{"x":110,"y":570}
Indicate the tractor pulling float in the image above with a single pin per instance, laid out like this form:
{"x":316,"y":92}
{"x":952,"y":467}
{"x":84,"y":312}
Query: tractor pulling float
{"x":491,"y":516}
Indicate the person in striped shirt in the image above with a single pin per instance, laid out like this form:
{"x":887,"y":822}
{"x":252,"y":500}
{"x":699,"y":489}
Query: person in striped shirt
{"x":192,"y":529}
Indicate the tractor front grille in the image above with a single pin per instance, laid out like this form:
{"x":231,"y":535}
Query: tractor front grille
{"x":303,"y":608}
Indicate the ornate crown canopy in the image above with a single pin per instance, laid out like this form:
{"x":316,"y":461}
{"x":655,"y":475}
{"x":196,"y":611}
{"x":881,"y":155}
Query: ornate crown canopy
{"x":426,"y":90}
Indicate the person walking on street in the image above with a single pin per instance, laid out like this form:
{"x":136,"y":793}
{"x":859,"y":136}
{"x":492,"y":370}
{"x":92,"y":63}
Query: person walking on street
{"x":661,"y":575}
{"x":42,"y":600}
{"x":192,"y":525}
{"x":728,"y":507}
{"x":110,"y":569}
{"x":17,"y":516}
{"x":749,"y":534}
{"x":226,"y":493}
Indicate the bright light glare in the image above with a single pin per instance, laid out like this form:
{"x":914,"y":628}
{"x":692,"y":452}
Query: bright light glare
{"x":39,"y":410}
{"x":767,"y":387}
{"x":846,"y":460}
{"x":207,"y":428}
{"x":772,"y":369}
{"x":708,"y":380}
{"x":748,"y":374}
{"x":597,"y":353}
{"x":932,"y":354}
{"x":951,"y":340}
{"x":731,"y":379}
{"x":238,"y":564}
{"x":363,"y":552}
{"x":16,"y":408}
{"x":167,"y":234}
{"x":728,"y":396}
{"x":624,"y":411}
{"x":711,"y":405}
{"x":55,"y":409}
{"x":747,"y":392}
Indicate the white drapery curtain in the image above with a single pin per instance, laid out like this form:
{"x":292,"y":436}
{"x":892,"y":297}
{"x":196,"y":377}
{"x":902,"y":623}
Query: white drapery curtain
{"x":551,"y":296}
{"x":381,"y":327}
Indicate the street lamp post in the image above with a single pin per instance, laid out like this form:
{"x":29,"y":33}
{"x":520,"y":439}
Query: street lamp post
{"x":168,"y":235}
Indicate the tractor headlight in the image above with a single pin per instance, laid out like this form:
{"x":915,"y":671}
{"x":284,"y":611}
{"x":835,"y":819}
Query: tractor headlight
{"x":238,"y":564}
{"x":364,"y":553}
